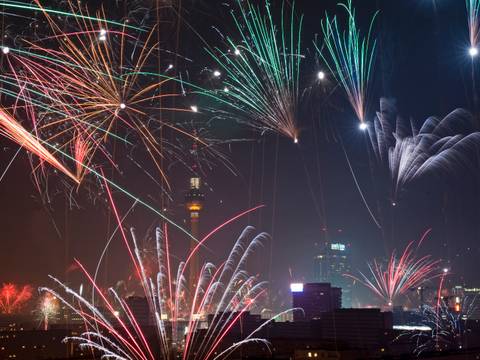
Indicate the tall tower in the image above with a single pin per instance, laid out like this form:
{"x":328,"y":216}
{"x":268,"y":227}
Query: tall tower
{"x":194,"y":200}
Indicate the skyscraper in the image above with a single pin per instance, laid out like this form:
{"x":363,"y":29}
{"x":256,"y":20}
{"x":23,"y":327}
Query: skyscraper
{"x":330,"y":265}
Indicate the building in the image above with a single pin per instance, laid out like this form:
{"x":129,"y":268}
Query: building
{"x":194,"y":200}
{"x":40,"y":344}
{"x":340,"y":334}
{"x":314,"y":299}
{"x":330,"y":265}
{"x":464,"y":299}
{"x":140,"y":309}
{"x":360,"y":328}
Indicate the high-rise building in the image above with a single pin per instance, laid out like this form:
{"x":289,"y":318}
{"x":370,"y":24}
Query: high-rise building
{"x":330,"y":265}
{"x":194,"y":199}
{"x":314,"y":299}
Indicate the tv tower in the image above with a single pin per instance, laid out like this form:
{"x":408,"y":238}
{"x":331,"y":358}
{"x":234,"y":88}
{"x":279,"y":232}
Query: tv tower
{"x":194,"y":200}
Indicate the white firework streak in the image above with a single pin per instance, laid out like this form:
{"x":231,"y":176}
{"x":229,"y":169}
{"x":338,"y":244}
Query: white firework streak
{"x":222,"y":293}
{"x":440,"y":146}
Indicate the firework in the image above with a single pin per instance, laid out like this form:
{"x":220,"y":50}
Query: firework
{"x":447,"y":324}
{"x":83,"y":82}
{"x":222,"y":294}
{"x":13,"y":298}
{"x":400,"y":274}
{"x":260,"y":69}
{"x":438,"y":146}
{"x":351,"y":58}
{"x":13,"y":130}
{"x":49,"y":307}
{"x":473,"y":10}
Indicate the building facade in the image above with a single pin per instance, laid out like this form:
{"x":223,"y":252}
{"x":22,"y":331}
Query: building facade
{"x":331,"y":264}
{"x":314,"y":299}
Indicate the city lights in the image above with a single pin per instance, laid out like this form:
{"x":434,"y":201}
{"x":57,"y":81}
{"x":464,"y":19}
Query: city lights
{"x":296,"y":287}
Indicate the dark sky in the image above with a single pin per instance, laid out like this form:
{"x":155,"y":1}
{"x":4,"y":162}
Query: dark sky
{"x":422,"y":62}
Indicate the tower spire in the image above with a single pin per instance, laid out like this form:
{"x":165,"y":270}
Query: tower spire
{"x":194,"y":200}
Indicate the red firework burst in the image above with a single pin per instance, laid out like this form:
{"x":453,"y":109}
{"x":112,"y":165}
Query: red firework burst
{"x":14,"y":297}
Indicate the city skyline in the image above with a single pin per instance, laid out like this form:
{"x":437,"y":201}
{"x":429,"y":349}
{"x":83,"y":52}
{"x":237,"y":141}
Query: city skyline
{"x":255,"y":182}
{"x":211,"y":159}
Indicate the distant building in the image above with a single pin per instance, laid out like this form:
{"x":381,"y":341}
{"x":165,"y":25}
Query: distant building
{"x":314,"y":299}
{"x":464,"y":299}
{"x":40,"y":344}
{"x":340,"y":334}
{"x":140,"y":309}
{"x":330,"y":265}
{"x":360,"y":328}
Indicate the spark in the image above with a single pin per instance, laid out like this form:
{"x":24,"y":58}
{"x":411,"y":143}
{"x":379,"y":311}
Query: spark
{"x":448,"y":327}
{"x":78,"y":16}
{"x":71,"y":87}
{"x":400,"y":274}
{"x":264,"y":80}
{"x":103,"y":35}
{"x":13,"y":298}
{"x":223,"y":294}
{"x":351,"y":57}
{"x":321,"y":75}
{"x":14,"y":131}
{"x":473,"y":51}
{"x":406,"y":151}
{"x":473,"y":12}
{"x":49,"y":308}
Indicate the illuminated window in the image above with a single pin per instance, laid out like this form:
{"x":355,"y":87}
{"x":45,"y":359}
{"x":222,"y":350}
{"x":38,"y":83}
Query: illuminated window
{"x":296,"y":287}
{"x":195,"y":183}
{"x":338,"y":246}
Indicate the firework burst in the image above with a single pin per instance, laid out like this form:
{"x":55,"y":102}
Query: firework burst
{"x":84,"y":84}
{"x":13,"y":298}
{"x":408,"y":152}
{"x":400,"y":274}
{"x":351,"y":58}
{"x":448,"y":326}
{"x":49,"y":307}
{"x":261,"y":69}
{"x":190,"y":322}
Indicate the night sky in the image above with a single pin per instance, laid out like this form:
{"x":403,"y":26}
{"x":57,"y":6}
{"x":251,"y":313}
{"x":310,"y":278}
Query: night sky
{"x":422,"y":62}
